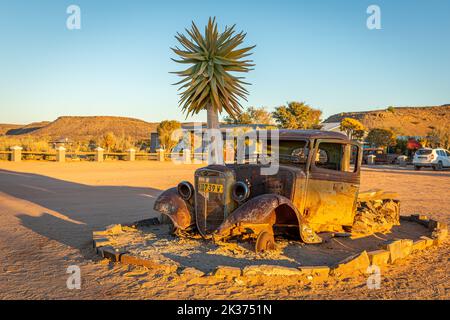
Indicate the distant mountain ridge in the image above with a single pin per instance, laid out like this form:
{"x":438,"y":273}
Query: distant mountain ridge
{"x":407,"y":121}
{"x":5,"y":127}
{"x":84,"y":128}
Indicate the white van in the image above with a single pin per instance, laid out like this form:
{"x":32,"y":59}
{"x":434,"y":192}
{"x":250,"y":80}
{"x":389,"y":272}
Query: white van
{"x":434,"y":158}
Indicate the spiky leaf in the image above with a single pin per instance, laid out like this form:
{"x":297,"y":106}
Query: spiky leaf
{"x":213,"y":56}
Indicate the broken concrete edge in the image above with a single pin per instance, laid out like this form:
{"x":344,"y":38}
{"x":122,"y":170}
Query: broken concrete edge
{"x":350,"y":266}
{"x":422,"y":219}
{"x":355,"y":264}
{"x":122,"y":256}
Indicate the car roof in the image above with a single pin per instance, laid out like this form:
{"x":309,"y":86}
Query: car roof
{"x":286,"y":134}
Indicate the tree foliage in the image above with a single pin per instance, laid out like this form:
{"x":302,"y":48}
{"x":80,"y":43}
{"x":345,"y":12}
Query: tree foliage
{"x":297,"y":115}
{"x":165,"y":131}
{"x":353,"y":128}
{"x":251,"y":116}
{"x":381,"y":137}
{"x":108,"y":141}
{"x":208,"y":83}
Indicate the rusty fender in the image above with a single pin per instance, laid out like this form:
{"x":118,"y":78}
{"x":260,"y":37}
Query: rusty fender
{"x":258,"y":210}
{"x":172,"y":205}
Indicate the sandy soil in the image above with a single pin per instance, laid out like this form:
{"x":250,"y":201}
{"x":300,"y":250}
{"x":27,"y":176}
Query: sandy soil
{"x":48,"y":211}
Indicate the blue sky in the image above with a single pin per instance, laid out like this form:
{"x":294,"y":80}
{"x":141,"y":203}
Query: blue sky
{"x":320,"y":52}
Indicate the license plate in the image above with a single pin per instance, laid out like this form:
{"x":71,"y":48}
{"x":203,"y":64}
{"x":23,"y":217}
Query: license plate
{"x":211,"y":187}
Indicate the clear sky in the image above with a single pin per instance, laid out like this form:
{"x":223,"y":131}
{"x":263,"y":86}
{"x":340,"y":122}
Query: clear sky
{"x":320,"y":52}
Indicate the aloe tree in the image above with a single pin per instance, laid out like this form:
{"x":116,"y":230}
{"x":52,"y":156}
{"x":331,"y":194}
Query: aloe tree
{"x":208,"y":83}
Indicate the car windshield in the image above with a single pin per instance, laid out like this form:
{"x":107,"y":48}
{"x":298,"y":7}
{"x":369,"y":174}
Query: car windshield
{"x":421,"y":152}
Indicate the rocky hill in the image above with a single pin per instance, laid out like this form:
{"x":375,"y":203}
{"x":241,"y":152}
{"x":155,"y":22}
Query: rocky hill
{"x":5,"y":127}
{"x":85,"y":128}
{"x":24,"y":129}
{"x":408,"y":121}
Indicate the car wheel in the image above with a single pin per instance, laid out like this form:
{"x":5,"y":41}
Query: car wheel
{"x":164,"y":219}
{"x":265,"y":242}
{"x":417,"y":168}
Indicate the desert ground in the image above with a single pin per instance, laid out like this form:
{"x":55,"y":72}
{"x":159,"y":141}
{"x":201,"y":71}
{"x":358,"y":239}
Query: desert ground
{"x":49,"y":210}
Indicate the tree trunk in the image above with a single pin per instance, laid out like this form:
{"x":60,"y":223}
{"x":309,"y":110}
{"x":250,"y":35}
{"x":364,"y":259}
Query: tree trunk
{"x":212,"y":117}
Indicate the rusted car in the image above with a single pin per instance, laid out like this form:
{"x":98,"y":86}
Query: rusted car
{"x":316,"y":189}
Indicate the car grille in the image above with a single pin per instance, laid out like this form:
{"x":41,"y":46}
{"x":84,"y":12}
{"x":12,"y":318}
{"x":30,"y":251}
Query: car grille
{"x":210,"y":207}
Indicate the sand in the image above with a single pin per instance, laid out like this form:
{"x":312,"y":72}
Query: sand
{"x":48,"y":211}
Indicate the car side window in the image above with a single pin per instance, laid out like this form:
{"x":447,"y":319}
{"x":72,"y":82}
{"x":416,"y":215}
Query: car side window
{"x":329,"y":156}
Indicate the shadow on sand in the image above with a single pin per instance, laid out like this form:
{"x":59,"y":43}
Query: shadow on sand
{"x":71,"y":211}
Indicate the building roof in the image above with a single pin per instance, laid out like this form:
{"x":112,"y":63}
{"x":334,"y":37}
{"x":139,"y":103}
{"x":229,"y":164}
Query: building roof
{"x":226,"y":126}
{"x":310,"y":134}
{"x":329,"y":126}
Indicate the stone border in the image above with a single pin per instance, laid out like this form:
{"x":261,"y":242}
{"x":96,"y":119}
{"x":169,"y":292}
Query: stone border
{"x":353,"y":265}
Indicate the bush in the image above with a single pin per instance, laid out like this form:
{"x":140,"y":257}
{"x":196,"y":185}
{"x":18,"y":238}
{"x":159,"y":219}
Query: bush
{"x":27,"y":143}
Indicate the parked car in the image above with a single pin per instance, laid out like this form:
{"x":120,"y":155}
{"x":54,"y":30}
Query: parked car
{"x":437,"y":159}
{"x":315,"y":190}
{"x":381,"y":157}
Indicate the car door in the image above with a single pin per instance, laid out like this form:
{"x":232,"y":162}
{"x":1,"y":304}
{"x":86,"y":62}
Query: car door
{"x":332,"y":184}
{"x":446,"y":156}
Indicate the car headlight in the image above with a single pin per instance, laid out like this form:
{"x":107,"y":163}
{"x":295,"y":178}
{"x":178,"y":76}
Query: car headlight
{"x":240,"y":191}
{"x":185,"y":190}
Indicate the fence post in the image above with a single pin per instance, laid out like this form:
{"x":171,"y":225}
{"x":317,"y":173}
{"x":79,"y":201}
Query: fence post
{"x":16,"y":155}
{"x":186,"y":156}
{"x":371,"y":159}
{"x":60,"y":154}
{"x":99,"y":154}
{"x":131,"y":154}
{"x":229,"y":153}
{"x":160,"y":153}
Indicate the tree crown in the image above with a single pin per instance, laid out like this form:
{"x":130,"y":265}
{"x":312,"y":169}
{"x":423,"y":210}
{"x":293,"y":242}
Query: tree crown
{"x":213,"y":58}
{"x":297,"y":115}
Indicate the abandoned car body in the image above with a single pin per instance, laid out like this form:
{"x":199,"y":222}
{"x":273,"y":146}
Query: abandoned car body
{"x":315,"y":190}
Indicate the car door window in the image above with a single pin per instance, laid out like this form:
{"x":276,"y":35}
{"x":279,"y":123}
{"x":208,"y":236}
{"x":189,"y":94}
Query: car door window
{"x":329,"y":156}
